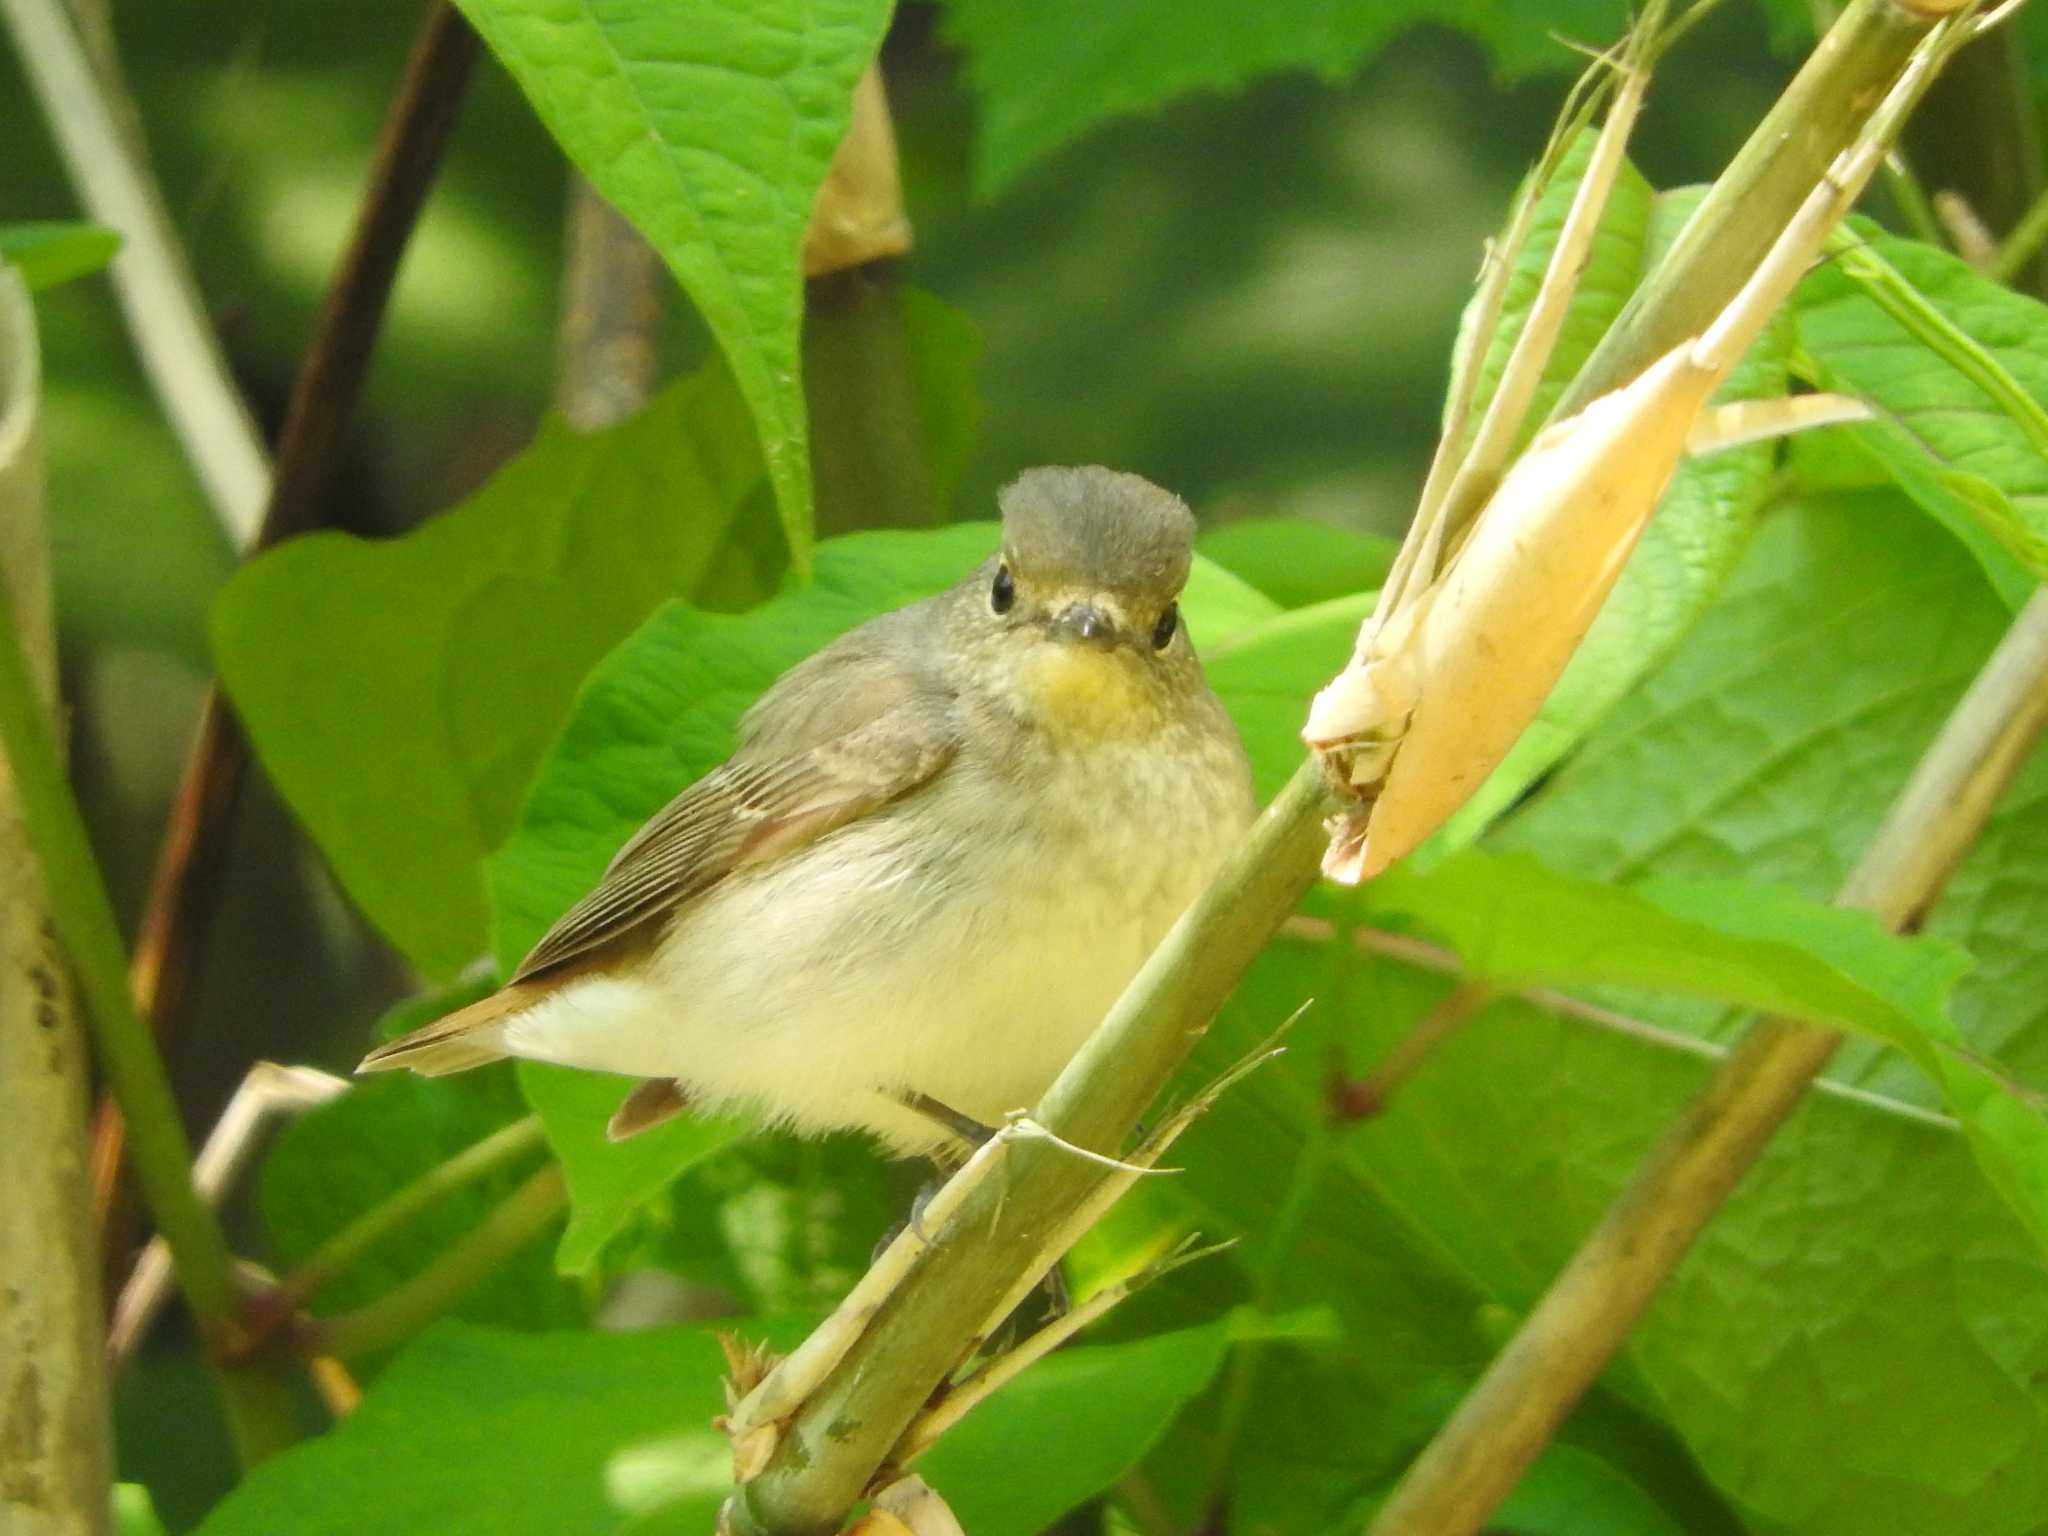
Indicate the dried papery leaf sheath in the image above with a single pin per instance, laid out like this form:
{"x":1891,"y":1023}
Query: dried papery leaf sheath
{"x":1503,"y":623}
{"x":1520,"y":597}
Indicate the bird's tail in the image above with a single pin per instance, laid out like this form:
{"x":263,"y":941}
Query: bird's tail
{"x":468,"y":1037}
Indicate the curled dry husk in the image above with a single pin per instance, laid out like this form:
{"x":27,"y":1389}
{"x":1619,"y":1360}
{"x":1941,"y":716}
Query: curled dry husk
{"x":1450,"y":683}
{"x":1440,"y":688}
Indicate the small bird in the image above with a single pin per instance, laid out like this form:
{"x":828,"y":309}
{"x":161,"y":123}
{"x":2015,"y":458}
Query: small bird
{"x":943,"y":846}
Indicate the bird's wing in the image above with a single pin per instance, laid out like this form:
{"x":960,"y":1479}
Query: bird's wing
{"x":764,"y":804}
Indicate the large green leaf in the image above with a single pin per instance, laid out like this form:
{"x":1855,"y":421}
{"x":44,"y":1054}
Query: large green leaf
{"x":474,"y":1429}
{"x":400,"y":693}
{"x":1411,"y":1258}
{"x":1956,"y":367}
{"x":1519,"y":925}
{"x":1763,"y":947}
{"x":657,"y":714}
{"x":338,"y":1161}
{"x":1047,"y":73}
{"x":1297,"y":562}
{"x":1858,"y":1342}
{"x":1267,"y":674}
{"x":1070,"y":1427}
{"x":709,"y":124}
{"x":783,"y":1223}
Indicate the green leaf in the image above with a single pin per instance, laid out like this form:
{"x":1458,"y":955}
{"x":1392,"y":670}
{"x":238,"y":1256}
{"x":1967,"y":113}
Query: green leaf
{"x":710,"y":127}
{"x":1953,"y":363}
{"x":474,"y":1429}
{"x":1297,"y":562}
{"x":609,"y":1181}
{"x":1762,"y":947}
{"x":1267,"y":674}
{"x":1856,"y":1343}
{"x":1068,"y":1428}
{"x":1519,"y":925}
{"x":1406,"y":1249}
{"x":657,"y":714}
{"x":1048,"y":73}
{"x":47,"y":254}
{"x":786,"y":1224}
{"x":336,"y":1162}
{"x":400,"y":692}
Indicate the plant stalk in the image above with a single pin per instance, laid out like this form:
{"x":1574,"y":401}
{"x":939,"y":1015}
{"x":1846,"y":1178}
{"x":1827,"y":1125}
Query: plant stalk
{"x":56,"y":1453}
{"x":260,"y":1412}
{"x":335,"y":1255}
{"x":397,"y":1315}
{"x":1743,"y":214}
{"x":1507,"y":1419}
{"x":611,"y":307}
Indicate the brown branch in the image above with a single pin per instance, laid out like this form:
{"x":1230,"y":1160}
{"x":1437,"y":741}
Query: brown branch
{"x":323,"y":401}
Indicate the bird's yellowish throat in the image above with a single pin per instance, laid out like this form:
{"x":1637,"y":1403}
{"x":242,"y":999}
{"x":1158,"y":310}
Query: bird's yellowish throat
{"x":943,"y":846}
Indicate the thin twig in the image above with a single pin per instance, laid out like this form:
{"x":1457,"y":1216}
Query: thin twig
{"x":364,"y":1233}
{"x":330,"y":379}
{"x":2023,"y":244}
{"x":178,"y":348}
{"x":268,"y":1091}
{"x":1503,"y":1424}
{"x":323,"y":401}
{"x":398,"y":1314}
{"x":1431,"y":957}
{"x":1363,"y":1097}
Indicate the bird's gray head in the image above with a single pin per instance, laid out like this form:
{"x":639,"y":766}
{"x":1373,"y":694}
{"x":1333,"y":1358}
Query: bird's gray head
{"x":1098,"y":554}
{"x":1076,"y":620}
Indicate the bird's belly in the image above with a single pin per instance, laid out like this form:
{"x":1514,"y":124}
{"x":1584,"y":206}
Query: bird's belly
{"x":884,"y":960}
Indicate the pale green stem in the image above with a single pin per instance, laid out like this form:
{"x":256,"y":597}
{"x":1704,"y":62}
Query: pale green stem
{"x":2023,"y":244}
{"x":257,"y":1399}
{"x":335,"y":1255}
{"x":400,"y":1313}
{"x":1910,"y":198}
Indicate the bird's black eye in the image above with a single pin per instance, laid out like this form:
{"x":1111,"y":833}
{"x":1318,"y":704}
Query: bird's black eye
{"x":1162,"y":632}
{"x":1004,"y":592}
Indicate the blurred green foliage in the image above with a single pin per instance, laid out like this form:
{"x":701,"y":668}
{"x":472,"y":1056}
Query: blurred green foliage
{"x":1228,"y":252}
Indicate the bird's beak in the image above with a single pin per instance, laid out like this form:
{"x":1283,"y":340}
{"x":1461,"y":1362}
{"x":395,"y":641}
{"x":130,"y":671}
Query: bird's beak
{"x":1084,"y":621}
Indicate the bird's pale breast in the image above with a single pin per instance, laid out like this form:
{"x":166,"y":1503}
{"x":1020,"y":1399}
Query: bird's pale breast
{"x":961,"y":943}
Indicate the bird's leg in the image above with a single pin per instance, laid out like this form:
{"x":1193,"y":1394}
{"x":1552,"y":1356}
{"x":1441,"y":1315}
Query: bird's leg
{"x":965,"y":1128}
